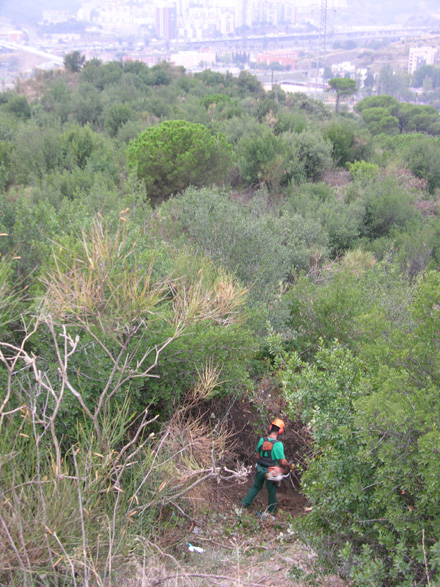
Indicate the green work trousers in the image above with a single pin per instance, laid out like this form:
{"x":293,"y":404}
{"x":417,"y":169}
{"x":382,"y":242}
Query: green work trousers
{"x":260,"y":478}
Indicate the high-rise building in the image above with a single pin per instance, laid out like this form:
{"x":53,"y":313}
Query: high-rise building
{"x":243,"y":13}
{"x":227,"y":23}
{"x":419,"y":56}
{"x":166,"y":22}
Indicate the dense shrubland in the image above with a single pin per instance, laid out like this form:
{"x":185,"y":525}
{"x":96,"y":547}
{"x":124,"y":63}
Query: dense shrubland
{"x":167,"y":239}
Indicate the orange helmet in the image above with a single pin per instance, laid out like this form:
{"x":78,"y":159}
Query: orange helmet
{"x":279,"y":423}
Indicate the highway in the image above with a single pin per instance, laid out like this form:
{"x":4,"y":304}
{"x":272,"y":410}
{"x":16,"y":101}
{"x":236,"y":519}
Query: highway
{"x":280,"y":39}
{"x":34,"y":50}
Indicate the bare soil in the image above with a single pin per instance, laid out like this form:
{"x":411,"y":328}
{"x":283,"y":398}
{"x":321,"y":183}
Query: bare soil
{"x":240,"y":547}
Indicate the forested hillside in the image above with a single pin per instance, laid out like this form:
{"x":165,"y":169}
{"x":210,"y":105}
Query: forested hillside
{"x":184,"y":257}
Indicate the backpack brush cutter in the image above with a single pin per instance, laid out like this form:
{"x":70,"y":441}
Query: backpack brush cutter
{"x":277,"y":473}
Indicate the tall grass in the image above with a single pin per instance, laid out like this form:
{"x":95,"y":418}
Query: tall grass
{"x":77,"y":504}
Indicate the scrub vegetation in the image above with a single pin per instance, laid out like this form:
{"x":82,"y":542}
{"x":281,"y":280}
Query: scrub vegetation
{"x":184,"y":257}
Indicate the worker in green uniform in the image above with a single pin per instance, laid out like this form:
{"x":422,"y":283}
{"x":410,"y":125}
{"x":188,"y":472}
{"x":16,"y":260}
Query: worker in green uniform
{"x":270,"y":453}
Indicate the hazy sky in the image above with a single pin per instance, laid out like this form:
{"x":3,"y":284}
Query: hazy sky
{"x":30,"y":10}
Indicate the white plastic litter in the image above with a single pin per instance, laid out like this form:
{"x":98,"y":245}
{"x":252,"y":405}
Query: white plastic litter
{"x":192,"y":548}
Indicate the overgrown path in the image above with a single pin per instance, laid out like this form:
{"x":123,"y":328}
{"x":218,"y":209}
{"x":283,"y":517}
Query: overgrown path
{"x":240,"y":547}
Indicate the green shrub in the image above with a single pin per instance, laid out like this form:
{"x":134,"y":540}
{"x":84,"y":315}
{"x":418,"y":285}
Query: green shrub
{"x":177,"y":154}
{"x":423,"y":158}
{"x":349,"y":142}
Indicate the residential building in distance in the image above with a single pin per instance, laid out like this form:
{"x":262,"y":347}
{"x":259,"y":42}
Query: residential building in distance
{"x":166,"y":22}
{"x":227,"y":23}
{"x":419,"y":56}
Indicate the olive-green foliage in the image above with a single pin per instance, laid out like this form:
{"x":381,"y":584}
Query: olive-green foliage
{"x":372,"y":482}
{"x":115,"y":324}
{"x":423,"y":158}
{"x":336,"y":480}
{"x":389,"y":149}
{"x":177,"y":154}
{"x":340,"y":223}
{"x":249,"y":84}
{"x":329,"y":306}
{"x":388,"y":205}
{"x":417,"y":248}
{"x":372,"y":406}
{"x":33,"y":228}
{"x":102,"y":75}
{"x":36,"y":151}
{"x":263,"y":157}
{"x":426,"y":71}
{"x":116,"y":116}
{"x":86,"y":104}
{"x":303,"y":103}
{"x":350,"y":143}
{"x":190,"y":110}
{"x":227,"y":110}
{"x":290,"y":121}
{"x":239,"y":126}
{"x":56,"y":99}
{"x":5,"y":163}
{"x":373,"y":420}
{"x":9,"y":298}
{"x":77,"y":146}
{"x":214,"y":80}
{"x":405,"y":385}
{"x":66,"y":202}
{"x":19,"y":107}
{"x":211,"y":99}
{"x":277,"y":160}
{"x":325,"y":311}
{"x":363,"y":172}
{"x":231,"y":349}
{"x":260,"y":247}
{"x":310,"y":156}
{"x":266,"y":107}
{"x":63,"y":162}
{"x":384,"y":114}
{"x":8,"y":126}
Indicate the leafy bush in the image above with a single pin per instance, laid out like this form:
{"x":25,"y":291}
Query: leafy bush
{"x":370,"y":482}
{"x":363,"y":172}
{"x":423,"y":158}
{"x":386,"y":204}
{"x":260,"y":248}
{"x":349,"y":142}
{"x":19,"y":107}
{"x":340,"y":222}
{"x":263,"y":158}
{"x":310,"y":156}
